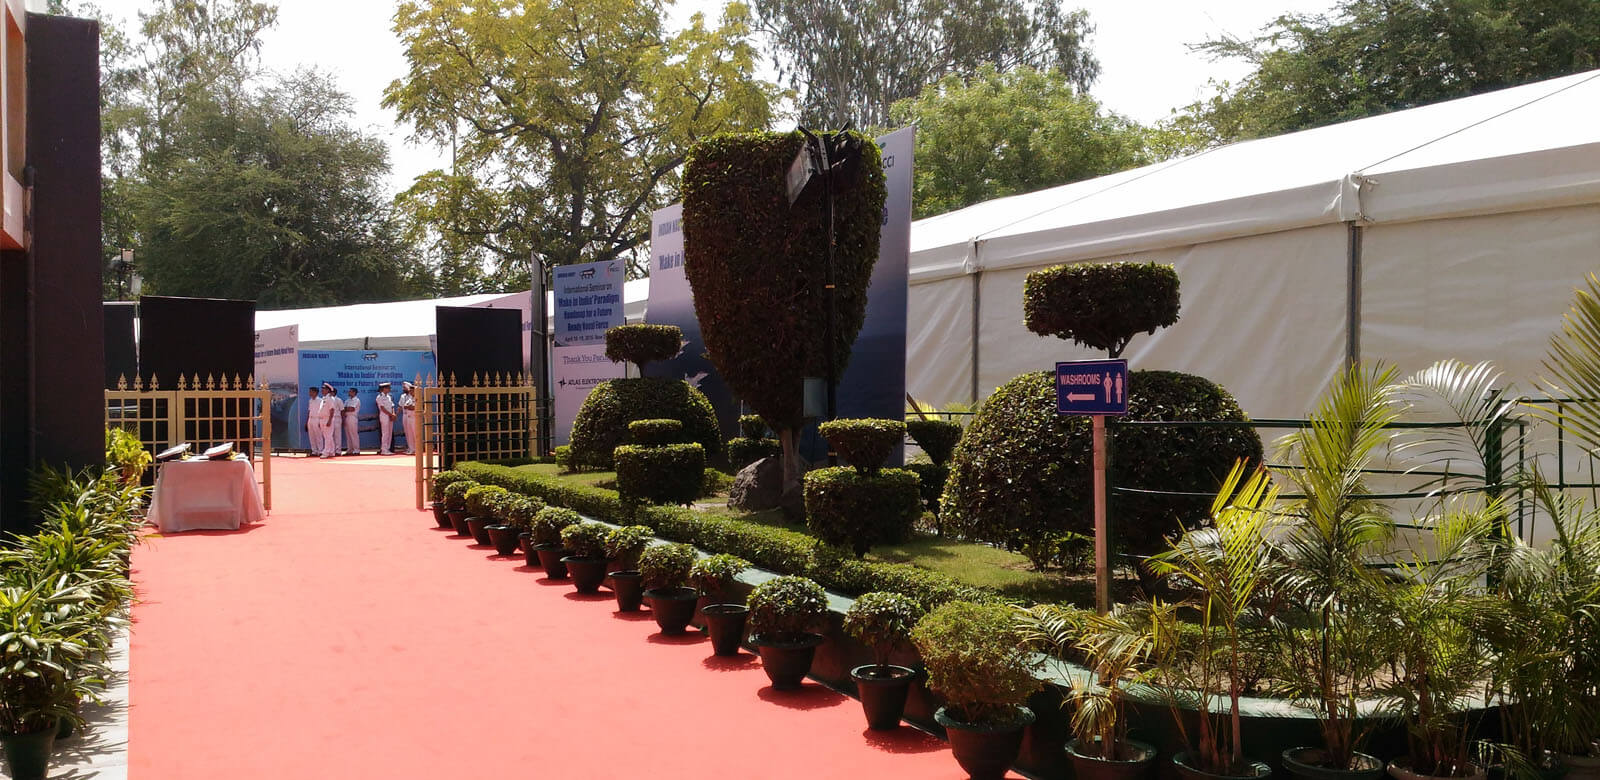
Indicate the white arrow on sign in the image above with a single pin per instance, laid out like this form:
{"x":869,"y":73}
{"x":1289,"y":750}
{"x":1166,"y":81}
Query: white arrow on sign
{"x":1080,"y":397}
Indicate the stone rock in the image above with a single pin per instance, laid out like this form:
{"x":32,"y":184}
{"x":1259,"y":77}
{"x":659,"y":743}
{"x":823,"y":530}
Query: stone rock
{"x":758,"y":486}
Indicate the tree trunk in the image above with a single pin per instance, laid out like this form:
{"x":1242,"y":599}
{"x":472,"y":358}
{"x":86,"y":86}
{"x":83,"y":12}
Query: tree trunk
{"x":793,"y":502}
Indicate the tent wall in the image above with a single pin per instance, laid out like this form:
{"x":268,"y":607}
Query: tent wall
{"x":939,"y":341}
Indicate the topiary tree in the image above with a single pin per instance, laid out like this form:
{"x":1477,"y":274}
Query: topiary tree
{"x":602,"y":421}
{"x":1042,"y":460}
{"x":751,"y":444}
{"x":666,"y":474}
{"x":757,"y":266}
{"x":864,"y":443}
{"x":640,"y":344}
{"x":936,"y":437}
{"x":656,"y":431}
{"x":1100,"y":305}
{"x":751,"y":426}
{"x":856,"y":510}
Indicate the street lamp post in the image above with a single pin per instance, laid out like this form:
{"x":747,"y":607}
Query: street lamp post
{"x":124,"y":267}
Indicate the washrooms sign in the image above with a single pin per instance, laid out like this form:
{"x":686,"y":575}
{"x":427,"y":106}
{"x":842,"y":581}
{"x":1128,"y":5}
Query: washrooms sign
{"x":1092,"y":387}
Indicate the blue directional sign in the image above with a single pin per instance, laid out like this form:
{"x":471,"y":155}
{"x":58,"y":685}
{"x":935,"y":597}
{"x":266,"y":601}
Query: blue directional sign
{"x":1092,"y":387}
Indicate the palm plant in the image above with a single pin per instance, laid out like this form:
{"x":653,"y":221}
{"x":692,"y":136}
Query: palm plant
{"x":47,"y":653}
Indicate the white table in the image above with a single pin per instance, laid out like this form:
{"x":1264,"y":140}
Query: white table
{"x":209,"y":494}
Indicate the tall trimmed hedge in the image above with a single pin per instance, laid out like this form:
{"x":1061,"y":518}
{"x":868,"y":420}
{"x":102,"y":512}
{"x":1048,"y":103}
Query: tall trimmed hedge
{"x":1021,"y":474}
{"x":666,"y":474}
{"x":602,"y":422}
{"x":640,"y":343}
{"x":756,"y":266}
{"x":1100,"y":305}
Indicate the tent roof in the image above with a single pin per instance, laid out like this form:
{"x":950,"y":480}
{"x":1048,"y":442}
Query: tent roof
{"x":1533,"y":146}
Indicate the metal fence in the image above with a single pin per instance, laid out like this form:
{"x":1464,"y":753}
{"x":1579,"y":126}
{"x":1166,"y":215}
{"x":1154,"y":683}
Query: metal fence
{"x":492,"y":417}
{"x":201,"y":412}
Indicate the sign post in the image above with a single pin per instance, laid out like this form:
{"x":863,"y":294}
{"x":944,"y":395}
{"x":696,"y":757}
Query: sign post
{"x":1096,"y":388}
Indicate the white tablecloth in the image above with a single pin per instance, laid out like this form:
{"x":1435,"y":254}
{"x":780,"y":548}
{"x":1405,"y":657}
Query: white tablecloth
{"x":195,"y":494}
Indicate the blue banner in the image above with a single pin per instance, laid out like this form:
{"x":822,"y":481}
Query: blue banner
{"x":588,"y":299}
{"x":363,"y":370}
{"x":672,"y":303}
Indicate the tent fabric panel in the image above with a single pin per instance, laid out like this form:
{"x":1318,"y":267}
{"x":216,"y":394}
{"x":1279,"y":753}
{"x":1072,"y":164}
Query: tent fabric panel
{"x":939,"y":341}
{"x":1542,"y":179}
{"x":1263,"y":316}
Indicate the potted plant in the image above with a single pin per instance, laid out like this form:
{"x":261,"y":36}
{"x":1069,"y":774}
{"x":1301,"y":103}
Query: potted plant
{"x":49,"y":635}
{"x":586,"y":555}
{"x":502,"y":534}
{"x":1225,"y":564}
{"x":975,"y":659}
{"x":666,"y":568}
{"x":455,"y":502}
{"x":436,"y":494}
{"x":480,"y":511}
{"x":546,"y":530}
{"x":783,"y":612}
{"x":883,"y":622}
{"x":519,"y":515}
{"x":713,"y":577}
{"x":623,"y":546}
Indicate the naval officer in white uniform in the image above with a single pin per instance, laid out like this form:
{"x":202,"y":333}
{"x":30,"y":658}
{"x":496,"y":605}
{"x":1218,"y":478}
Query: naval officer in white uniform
{"x":386,"y":414}
{"x":314,"y":434}
{"x":408,"y":415}
{"x":333,"y":416}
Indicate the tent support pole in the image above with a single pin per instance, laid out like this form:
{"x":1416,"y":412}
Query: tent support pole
{"x":977,"y":301}
{"x":1352,"y":344}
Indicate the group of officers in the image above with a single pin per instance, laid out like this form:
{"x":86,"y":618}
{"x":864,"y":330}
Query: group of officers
{"x":331,"y":422}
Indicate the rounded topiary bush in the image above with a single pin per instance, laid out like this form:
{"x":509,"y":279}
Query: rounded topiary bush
{"x":549,"y":522}
{"x":640,"y":344}
{"x":521,"y":512}
{"x":716,"y":573}
{"x":931,"y":478}
{"x":882,"y":621}
{"x":656,"y":431}
{"x":751,"y":426}
{"x":670,"y":474}
{"x":786,"y":609}
{"x":864,"y":443}
{"x":602,"y":421}
{"x":1100,"y":305}
{"x":847,"y":508}
{"x":442,"y":480}
{"x":976,"y":660}
{"x":1021,"y":474}
{"x":455,"y":494}
{"x":667,"y":566}
{"x":936,"y":437}
{"x":624,"y":544}
{"x":480,"y":499}
{"x":585,"y":540}
{"x":744,"y":451}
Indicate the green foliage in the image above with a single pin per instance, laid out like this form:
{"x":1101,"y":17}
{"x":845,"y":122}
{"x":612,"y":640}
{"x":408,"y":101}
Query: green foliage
{"x":936,"y":437}
{"x":838,"y":571}
{"x":1117,"y":647}
{"x":882,"y":621}
{"x":625,"y":543}
{"x":714,"y":574}
{"x":745,"y":451}
{"x":479,"y":499}
{"x":640,"y":344}
{"x":602,"y":422}
{"x":1021,"y":474}
{"x":751,"y":426}
{"x":670,"y":474}
{"x":592,"y":501}
{"x":852,"y":66}
{"x":563,"y":456}
{"x":455,"y":494}
{"x":1100,"y":305}
{"x":549,"y":524}
{"x":585,"y":540}
{"x":442,"y":480}
{"x":521,"y":511}
{"x":653,"y":432}
{"x":847,"y":508}
{"x":666,"y":566}
{"x":993,"y":134}
{"x":930,"y":481}
{"x":785,"y":609}
{"x":126,"y":454}
{"x":757,"y":269}
{"x":864,"y":443}
{"x":975,"y":660}
{"x":567,"y":121}
{"x":715,"y":481}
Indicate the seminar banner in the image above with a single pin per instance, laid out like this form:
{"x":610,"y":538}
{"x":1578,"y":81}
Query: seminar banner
{"x":278,"y":367}
{"x":588,"y":300}
{"x":672,"y":303}
{"x":577,"y":370}
{"x":363,"y":370}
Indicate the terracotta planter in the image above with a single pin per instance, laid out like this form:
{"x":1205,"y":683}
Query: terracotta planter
{"x":550,"y":556}
{"x":1308,"y":763}
{"x":985,"y":752}
{"x":883,"y":692}
{"x":1254,"y":770}
{"x":479,"y":527}
{"x":1087,"y":767}
{"x":725,"y":624}
{"x":673,"y":608}
{"x":587,"y":573}
{"x":787,"y":663}
{"x":629,"y":587}
{"x":458,"y":521}
{"x":504,"y":539}
{"x":28,"y":755}
{"x":440,"y":516}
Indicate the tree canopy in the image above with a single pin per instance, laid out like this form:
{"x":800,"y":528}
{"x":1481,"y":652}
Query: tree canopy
{"x":851,"y":62}
{"x":1373,"y":56}
{"x":568,"y":120}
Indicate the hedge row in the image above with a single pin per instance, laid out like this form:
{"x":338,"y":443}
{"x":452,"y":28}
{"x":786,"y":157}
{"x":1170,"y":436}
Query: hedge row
{"x":775,"y":549}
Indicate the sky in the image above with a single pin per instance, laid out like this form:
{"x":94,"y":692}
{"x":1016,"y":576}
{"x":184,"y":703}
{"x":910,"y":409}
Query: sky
{"x":1146,"y":68}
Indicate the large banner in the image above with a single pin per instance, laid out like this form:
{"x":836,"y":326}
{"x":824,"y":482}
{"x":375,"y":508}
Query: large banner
{"x":278,"y":367}
{"x":672,"y":303}
{"x":577,"y":370}
{"x":588,"y":301}
{"x":362,"y":370}
{"x":522,"y":302}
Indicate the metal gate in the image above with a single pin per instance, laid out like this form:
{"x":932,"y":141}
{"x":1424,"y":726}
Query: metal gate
{"x":203,"y":413}
{"x":490,"y":418}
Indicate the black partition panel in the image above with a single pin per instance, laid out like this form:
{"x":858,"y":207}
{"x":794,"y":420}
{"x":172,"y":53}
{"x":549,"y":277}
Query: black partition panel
{"x":477,"y":341}
{"x":122,"y":355}
{"x":196,"y":336}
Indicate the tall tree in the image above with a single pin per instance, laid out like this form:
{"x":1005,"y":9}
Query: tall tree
{"x":1373,"y":56}
{"x":568,"y":119}
{"x":851,"y":62}
{"x":1006,"y":133}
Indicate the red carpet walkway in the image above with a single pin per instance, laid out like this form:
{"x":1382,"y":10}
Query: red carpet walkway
{"x":346,"y":638}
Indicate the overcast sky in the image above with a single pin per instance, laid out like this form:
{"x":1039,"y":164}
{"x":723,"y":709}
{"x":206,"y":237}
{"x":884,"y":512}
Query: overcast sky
{"x":1146,"y":70}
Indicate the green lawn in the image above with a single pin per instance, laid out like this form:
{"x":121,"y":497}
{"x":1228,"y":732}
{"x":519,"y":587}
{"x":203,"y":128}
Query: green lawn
{"x":980,"y":565}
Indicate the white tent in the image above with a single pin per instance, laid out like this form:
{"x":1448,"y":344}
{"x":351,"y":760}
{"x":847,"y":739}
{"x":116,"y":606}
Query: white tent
{"x":1453,"y":230}
{"x":407,"y":324}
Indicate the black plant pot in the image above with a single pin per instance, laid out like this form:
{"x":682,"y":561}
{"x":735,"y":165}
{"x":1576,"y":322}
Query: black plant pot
{"x":725,"y":623}
{"x":550,"y":557}
{"x":883,"y":692}
{"x":1254,"y":770}
{"x":673,"y":608}
{"x":1400,"y":769}
{"x":1087,"y":767}
{"x":530,"y":556}
{"x":985,"y":752}
{"x":28,"y":755}
{"x":587,"y":573}
{"x":479,"y":526}
{"x":1310,"y":763}
{"x":629,"y":587}
{"x":504,"y":539}
{"x":440,"y":516}
{"x":65,"y":728}
{"x":458,"y":521}
{"x":787,"y":663}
